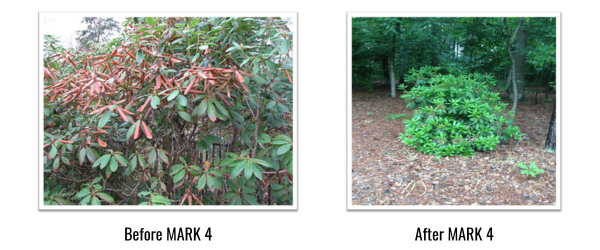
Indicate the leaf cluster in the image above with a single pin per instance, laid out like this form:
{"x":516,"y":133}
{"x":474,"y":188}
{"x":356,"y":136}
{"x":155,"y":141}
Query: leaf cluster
{"x":457,"y":114}
{"x":177,"y":110}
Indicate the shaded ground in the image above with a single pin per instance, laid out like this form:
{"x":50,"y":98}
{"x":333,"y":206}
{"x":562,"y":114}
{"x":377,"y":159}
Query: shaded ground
{"x":386,"y":172}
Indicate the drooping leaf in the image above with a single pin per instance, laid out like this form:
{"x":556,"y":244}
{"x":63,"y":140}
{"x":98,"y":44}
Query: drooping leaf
{"x":212,"y":112}
{"x":152,"y":157}
{"x":221,"y":109}
{"x":185,"y":116}
{"x":114,"y":165}
{"x":104,"y":119}
{"x":91,"y":154}
{"x":162,"y":156}
{"x":201,"y":182}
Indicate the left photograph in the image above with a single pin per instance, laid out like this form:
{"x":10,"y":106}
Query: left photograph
{"x":184,"y":112}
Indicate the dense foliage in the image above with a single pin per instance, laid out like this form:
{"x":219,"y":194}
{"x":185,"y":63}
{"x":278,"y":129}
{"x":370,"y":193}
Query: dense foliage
{"x":176,"y":111}
{"x":470,"y":44}
{"x":457,"y":113}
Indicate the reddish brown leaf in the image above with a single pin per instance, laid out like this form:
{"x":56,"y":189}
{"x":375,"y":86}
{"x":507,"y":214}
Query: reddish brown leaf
{"x":136,"y":132}
{"x":146,"y":130}
{"x":123,"y":116}
{"x":239,"y":77}
{"x":102,"y":143}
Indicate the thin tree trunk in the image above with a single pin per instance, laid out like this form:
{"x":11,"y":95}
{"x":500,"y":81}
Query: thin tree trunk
{"x":551,"y":138}
{"x":519,"y":54}
{"x":512,"y":59}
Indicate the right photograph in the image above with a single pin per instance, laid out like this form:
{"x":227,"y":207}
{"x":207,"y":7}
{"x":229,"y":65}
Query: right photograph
{"x":453,"y":111}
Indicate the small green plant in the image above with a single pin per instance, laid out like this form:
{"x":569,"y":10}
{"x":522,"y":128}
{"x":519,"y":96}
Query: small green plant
{"x":532,"y":170}
{"x":396,"y":116}
{"x":369,"y":113}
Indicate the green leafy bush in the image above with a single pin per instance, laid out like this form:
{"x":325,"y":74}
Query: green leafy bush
{"x":457,"y":114}
{"x":194,"y":111}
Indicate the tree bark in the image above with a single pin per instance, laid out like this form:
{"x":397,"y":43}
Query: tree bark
{"x":521,"y":44}
{"x":512,"y":59}
{"x":385,"y":61}
{"x":551,"y":138}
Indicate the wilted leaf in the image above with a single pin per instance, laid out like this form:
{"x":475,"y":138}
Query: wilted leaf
{"x":101,"y":142}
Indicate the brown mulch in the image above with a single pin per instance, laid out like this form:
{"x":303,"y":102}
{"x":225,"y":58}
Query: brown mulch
{"x":387,"y":172}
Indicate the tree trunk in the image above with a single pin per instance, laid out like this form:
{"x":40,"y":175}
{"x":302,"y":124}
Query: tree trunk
{"x":521,"y":44}
{"x":386,"y":69}
{"x":393,"y":61}
{"x":392,"y":80}
{"x":512,"y":59}
{"x":551,"y":139}
{"x":434,"y":33}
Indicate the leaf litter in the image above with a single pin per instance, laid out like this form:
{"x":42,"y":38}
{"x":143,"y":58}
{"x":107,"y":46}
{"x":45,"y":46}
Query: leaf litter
{"x":387,"y":172}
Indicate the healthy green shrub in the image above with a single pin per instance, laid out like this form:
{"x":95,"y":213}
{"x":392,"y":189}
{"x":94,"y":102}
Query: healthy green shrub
{"x":457,"y":114}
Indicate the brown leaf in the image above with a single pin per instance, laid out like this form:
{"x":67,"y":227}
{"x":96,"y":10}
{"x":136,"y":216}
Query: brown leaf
{"x":102,"y":143}
{"x":146,"y":130}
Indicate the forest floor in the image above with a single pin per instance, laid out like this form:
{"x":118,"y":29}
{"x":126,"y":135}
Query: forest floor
{"x":387,"y":172}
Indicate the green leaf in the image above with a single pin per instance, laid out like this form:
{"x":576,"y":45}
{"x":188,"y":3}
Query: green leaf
{"x":182,"y":100}
{"x":154,"y":102}
{"x":212,"y":139}
{"x":105,"y":118}
{"x":162,"y":156}
{"x":85,"y":200}
{"x":266,"y":137}
{"x":283,"y":149}
{"x":114,"y":165}
{"x":248,"y":169}
{"x":210,"y":182}
{"x":106,"y":197}
{"x":173,"y":95}
{"x":263,"y":162}
{"x":142,"y":161}
{"x":91,"y":154}
{"x":152,"y":157}
{"x":176,"y":169}
{"x":238,"y":169}
{"x":251,"y":199}
{"x":212,"y":112}
{"x":284,"y":46}
{"x":236,"y":116}
{"x":102,"y":161}
{"x":56,"y":164}
{"x":201,"y":182}
{"x":160,"y":199}
{"x":185,"y":116}
{"x":257,"y":171}
{"x":202,"y":107}
{"x":53,"y":152}
{"x":121,"y":160}
{"x":139,"y":56}
{"x":179,"y":176}
{"x":84,"y":192}
{"x":82,"y":155}
{"x":221,"y":108}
